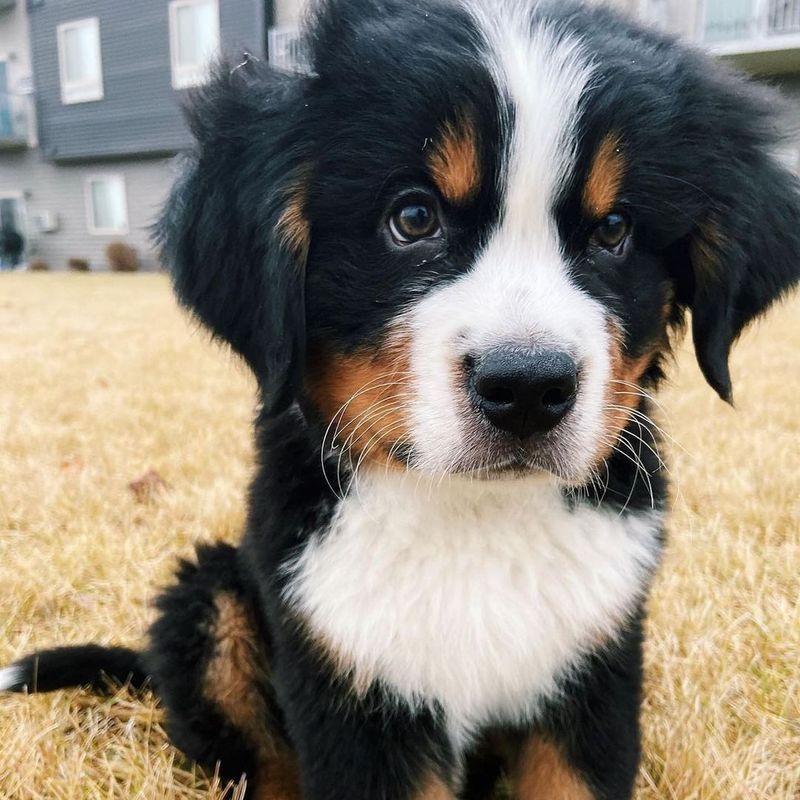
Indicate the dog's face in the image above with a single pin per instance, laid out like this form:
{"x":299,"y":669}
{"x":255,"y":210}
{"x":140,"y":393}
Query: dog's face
{"x":461,"y":243}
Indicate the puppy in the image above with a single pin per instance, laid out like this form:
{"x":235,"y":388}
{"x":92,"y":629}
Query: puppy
{"x":452,"y":254}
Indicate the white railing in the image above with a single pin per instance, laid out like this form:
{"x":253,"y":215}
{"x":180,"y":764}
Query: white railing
{"x":14,"y":118}
{"x":752,"y":23}
{"x":784,"y":16}
{"x":286,"y":50}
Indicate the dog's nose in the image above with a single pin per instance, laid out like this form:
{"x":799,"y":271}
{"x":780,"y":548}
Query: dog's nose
{"x":524,"y":391}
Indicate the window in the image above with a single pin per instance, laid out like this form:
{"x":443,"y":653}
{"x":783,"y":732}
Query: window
{"x":287,"y":50}
{"x":6,"y":117}
{"x":106,"y":205}
{"x":79,"y":62}
{"x":730,"y":20}
{"x":193,"y":39}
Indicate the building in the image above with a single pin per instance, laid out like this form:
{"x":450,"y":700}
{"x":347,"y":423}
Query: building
{"x":90,"y":93}
{"x":90,"y":119}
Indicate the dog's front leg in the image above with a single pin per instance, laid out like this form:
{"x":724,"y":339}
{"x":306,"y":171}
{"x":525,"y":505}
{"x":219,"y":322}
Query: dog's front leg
{"x":587,"y":744}
{"x":359,"y":745}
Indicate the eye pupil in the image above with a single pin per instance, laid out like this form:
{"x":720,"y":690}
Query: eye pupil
{"x":414,"y":222}
{"x":612,"y":231}
{"x":416,"y":218}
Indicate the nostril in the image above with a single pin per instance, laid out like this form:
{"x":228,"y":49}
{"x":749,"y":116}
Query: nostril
{"x":494,"y":392}
{"x":554,"y":397}
{"x":558,"y":395}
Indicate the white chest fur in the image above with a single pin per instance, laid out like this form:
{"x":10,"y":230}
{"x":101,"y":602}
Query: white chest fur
{"x":474,"y":595}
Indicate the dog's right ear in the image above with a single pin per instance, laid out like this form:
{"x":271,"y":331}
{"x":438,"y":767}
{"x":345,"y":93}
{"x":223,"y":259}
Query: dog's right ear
{"x":234,"y":232}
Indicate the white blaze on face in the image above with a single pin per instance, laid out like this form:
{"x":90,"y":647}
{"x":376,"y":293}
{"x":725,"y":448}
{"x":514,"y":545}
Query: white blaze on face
{"x":519,"y":291}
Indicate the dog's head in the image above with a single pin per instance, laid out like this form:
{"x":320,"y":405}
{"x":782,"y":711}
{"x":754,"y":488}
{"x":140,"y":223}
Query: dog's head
{"x":462,"y":240}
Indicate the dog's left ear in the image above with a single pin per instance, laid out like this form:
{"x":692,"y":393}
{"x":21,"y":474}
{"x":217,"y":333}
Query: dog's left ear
{"x":234,"y":231}
{"x":745,"y":250}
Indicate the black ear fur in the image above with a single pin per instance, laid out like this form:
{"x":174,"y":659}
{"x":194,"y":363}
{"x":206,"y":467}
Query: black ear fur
{"x":223,"y":230}
{"x":745,"y":251}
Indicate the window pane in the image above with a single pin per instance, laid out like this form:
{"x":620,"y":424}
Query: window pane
{"x":729,"y":20}
{"x":108,"y":204}
{"x":82,"y":54}
{"x":198,"y":33}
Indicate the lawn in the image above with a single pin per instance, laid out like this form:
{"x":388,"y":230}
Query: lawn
{"x":102,"y":379}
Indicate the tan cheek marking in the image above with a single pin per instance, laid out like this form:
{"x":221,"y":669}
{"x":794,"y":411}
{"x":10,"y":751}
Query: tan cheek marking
{"x":454,"y":162}
{"x":621,"y":390}
{"x":365,"y":394}
{"x":543,"y":774}
{"x":601,"y":190}
{"x":236,"y":671}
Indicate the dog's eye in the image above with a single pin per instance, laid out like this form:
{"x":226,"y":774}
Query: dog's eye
{"x":413,"y":222}
{"x":612,"y":232}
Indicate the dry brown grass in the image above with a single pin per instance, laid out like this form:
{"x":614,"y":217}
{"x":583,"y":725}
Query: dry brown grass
{"x":102,"y":380}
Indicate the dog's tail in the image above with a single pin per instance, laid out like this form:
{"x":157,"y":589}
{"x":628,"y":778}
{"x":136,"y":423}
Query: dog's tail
{"x":64,"y":667}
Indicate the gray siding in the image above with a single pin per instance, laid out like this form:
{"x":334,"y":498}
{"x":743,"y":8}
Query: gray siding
{"x":139,"y":113}
{"x":59,"y":189}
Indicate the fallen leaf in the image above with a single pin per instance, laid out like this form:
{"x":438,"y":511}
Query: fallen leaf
{"x":148,"y":486}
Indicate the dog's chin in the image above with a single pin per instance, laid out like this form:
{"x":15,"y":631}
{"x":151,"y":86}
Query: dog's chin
{"x":498,"y":461}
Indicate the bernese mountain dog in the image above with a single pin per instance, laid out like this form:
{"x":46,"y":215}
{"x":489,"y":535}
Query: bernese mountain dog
{"x":453,"y":252}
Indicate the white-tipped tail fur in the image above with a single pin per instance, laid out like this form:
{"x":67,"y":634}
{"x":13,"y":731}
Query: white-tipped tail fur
{"x":11,"y":678}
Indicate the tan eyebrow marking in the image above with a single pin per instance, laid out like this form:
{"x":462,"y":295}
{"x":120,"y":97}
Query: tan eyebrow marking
{"x":601,"y":190}
{"x":454,"y":161}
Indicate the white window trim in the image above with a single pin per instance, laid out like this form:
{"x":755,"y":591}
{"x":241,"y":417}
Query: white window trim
{"x":184,"y":77}
{"x":89,"y":202}
{"x":79,"y":91}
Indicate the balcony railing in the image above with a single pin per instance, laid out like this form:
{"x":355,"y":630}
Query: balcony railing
{"x":751,"y":25}
{"x":14,"y":120}
{"x":286,"y":50}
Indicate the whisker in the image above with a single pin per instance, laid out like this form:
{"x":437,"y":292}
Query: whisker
{"x":640,"y":469}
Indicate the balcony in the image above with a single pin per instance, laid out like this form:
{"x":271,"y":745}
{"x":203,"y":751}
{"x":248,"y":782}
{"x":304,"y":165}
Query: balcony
{"x":286,"y":50}
{"x":758,"y":35}
{"x":14,"y":121}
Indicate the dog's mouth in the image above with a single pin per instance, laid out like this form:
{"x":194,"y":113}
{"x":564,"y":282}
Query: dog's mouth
{"x":488,"y":454}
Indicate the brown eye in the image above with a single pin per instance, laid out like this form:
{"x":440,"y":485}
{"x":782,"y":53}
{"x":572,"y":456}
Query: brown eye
{"x":414,"y":222}
{"x":612,"y":232}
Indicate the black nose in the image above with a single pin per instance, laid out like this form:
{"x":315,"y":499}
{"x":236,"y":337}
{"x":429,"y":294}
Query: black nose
{"x":524,"y":391}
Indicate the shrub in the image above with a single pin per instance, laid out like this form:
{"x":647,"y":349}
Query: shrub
{"x":122,"y":257}
{"x":78,"y":264}
{"x":38,"y":265}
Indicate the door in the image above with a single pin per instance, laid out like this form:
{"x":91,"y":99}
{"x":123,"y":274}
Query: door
{"x":13,"y":231}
